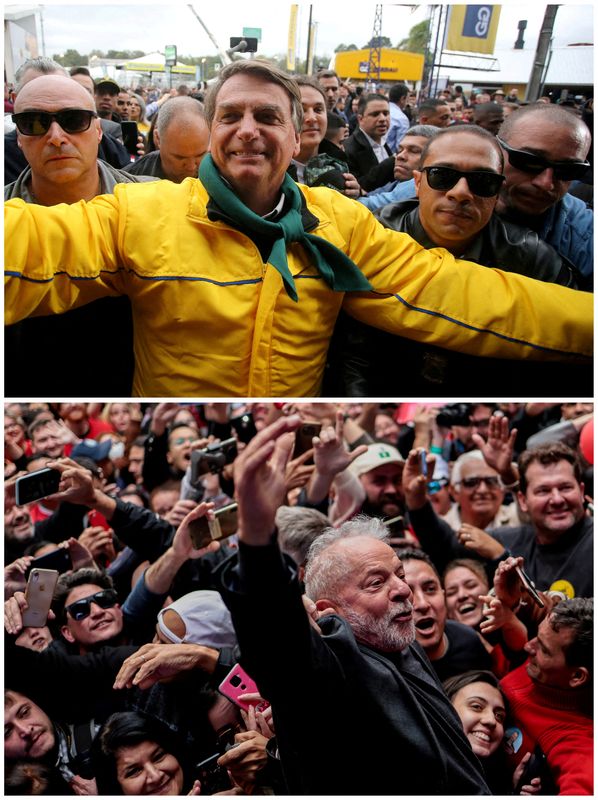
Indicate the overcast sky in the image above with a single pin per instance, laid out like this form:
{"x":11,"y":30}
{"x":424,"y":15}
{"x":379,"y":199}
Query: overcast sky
{"x":149,"y":27}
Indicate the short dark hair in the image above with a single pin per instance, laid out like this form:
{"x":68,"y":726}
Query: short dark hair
{"x":328,"y":73}
{"x":577,"y":615}
{"x":36,"y":425}
{"x":368,"y":98}
{"x":415,"y":554}
{"x":126,"y":729}
{"x":397,"y":91}
{"x":70,"y":580}
{"x":455,"y":683}
{"x":461,"y":130}
{"x":79,"y":71}
{"x":545,"y":454}
{"x":430,"y":104}
{"x":335,"y":123}
{"x":308,"y":80}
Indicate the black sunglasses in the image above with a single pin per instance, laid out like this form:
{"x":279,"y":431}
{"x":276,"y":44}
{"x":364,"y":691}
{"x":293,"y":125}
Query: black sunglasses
{"x":81,"y":608}
{"x":36,"y":123}
{"x":481,"y":183}
{"x":534,"y":164}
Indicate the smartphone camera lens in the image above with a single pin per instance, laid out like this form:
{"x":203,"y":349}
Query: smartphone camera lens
{"x":235,"y":681}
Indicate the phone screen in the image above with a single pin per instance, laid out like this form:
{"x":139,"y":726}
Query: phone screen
{"x":303,"y":438}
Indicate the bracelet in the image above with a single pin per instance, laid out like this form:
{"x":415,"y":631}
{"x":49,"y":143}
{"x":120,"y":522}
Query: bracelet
{"x":510,"y":486}
{"x":436,"y":450}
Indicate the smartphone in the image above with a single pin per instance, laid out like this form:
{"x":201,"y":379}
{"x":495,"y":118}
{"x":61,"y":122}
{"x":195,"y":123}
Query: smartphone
{"x":212,"y":458}
{"x":244,"y":426}
{"x":97,"y":520}
{"x":213,"y":778}
{"x":529,"y":587}
{"x":423,"y":464}
{"x":130,"y":134}
{"x":38,"y":484}
{"x":203,"y":530}
{"x":303,"y":438}
{"x":39,"y":593}
{"x":238,"y":682}
{"x":535,"y":768}
{"x":59,"y":560}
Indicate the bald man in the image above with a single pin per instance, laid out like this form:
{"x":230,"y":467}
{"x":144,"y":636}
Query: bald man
{"x":64,"y":168}
{"x":182,"y":135}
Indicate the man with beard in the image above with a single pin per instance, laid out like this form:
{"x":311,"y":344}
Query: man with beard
{"x":380,"y":472}
{"x":19,"y":531}
{"x":358,"y":673}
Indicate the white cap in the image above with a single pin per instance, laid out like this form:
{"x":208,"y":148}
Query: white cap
{"x":377,"y":455}
{"x":207,"y":620}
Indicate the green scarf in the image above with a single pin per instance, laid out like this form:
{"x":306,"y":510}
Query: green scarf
{"x":337,"y":269}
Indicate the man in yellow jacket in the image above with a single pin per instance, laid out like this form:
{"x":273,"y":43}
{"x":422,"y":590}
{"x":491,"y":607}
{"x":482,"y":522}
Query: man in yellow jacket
{"x":236,"y":279}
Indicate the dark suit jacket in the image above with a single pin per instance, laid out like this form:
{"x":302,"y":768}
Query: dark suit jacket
{"x":363,"y":163}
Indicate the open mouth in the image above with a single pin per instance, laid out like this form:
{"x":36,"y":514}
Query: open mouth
{"x":425,"y":624}
{"x":482,"y":736}
{"x":102,"y":624}
{"x":467,"y":608}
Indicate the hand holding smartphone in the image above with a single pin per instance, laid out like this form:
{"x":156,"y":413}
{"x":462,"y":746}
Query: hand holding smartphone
{"x":238,"y":682}
{"x":38,"y":594}
{"x":204,"y":530}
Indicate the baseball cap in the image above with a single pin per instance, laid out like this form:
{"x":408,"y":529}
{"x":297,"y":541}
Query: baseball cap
{"x":89,"y":448}
{"x":207,"y":620}
{"x":377,"y":455}
{"x":108,"y":81}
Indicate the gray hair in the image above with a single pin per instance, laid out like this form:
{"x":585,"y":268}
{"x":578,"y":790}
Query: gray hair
{"x":43,"y":65}
{"x":177,"y":108}
{"x":325,"y":573}
{"x":427,"y":131}
{"x":464,"y":458}
{"x":577,"y":615}
{"x":298,"y":527}
{"x":263,"y":69}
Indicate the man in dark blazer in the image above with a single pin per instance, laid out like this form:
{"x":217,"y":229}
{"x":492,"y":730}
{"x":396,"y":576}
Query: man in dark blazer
{"x":370,"y":160}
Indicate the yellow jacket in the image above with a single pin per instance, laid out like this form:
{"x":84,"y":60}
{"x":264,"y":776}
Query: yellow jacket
{"x":212,"y":320}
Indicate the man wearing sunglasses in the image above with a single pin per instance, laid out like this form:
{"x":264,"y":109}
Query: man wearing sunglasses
{"x":58,"y":132}
{"x":87,"y":611}
{"x":457,"y":186}
{"x":545,"y":149}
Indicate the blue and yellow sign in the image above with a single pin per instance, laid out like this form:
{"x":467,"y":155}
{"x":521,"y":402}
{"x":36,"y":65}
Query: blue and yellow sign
{"x":472,"y":29}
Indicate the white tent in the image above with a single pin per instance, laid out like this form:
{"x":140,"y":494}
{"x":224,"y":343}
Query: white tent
{"x":154,"y":62}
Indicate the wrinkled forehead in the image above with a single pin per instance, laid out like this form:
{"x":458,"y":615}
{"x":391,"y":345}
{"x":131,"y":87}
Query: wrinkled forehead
{"x":469,"y":468}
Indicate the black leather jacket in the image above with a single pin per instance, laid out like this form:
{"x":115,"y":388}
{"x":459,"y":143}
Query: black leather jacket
{"x":366,"y":362}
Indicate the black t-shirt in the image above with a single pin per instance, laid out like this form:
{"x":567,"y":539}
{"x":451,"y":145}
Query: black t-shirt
{"x":465,"y":651}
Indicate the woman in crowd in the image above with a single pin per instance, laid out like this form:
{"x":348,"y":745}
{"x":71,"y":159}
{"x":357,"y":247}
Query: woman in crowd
{"x":311,"y":166}
{"x":137,"y":113}
{"x":136,"y":755}
{"x":482,"y":710}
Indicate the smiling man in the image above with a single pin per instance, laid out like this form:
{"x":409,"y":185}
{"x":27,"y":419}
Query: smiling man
{"x":225,"y":298}
{"x":86,"y":607}
{"x":373,"y":689}
{"x":550,"y":696}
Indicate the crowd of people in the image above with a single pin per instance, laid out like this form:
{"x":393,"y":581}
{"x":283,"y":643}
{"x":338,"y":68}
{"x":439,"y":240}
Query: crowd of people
{"x":299,"y":598}
{"x":381,"y":216}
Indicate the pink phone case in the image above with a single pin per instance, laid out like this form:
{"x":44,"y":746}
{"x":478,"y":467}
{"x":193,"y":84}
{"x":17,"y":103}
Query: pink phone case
{"x":238,"y":682}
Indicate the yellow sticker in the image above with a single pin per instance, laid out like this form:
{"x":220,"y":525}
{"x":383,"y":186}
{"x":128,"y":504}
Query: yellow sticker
{"x":563,"y":586}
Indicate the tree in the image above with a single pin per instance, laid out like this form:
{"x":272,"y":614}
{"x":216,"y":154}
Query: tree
{"x":417,"y":39}
{"x":71,"y":58}
{"x":378,"y":41}
{"x":344,"y":48}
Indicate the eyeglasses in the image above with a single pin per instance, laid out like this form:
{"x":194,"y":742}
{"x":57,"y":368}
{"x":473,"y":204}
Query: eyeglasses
{"x":491,"y":481}
{"x":480,"y":182}
{"x":480,"y":423}
{"x":36,"y":123}
{"x":80,"y":609}
{"x":534,"y":164}
{"x":183,"y":440}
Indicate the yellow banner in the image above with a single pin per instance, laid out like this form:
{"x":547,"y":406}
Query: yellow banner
{"x":312,"y":47}
{"x":472,"y":29}
{"x":292,"y":47}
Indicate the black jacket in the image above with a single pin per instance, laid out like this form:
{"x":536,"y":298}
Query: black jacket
{"x":364,"y":361}
{"x":370,"y":173}
{"x":349,"y":719}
